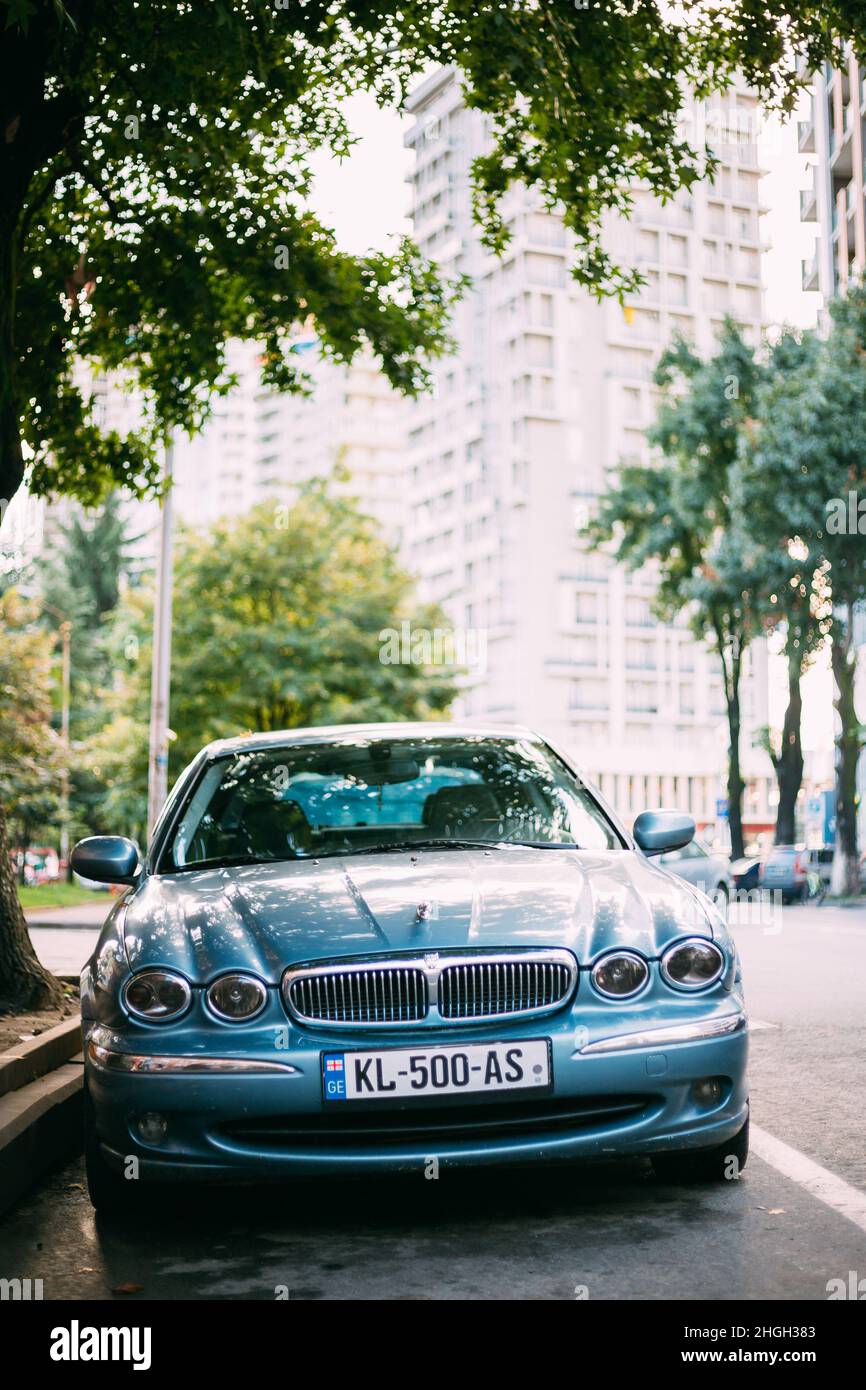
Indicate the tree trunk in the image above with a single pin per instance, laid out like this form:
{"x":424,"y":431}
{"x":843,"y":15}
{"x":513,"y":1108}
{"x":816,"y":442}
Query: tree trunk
{"x":735,"y":780}
{"x":11,"y":456}
{"x":24,"y":983}
{"x":789,"y":764}
{"x":730,"y":650}
{"x":849,"y":742}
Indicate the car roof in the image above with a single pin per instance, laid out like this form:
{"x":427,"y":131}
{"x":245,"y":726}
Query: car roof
{"x":329,"y":733}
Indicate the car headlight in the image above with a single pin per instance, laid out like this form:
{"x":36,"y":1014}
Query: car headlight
{"x":693,"y":964}
{"x":620,"y":974}
{"x":157,"y":995}
{"x":235,"y":997}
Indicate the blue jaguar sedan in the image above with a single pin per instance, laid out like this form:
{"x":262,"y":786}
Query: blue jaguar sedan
{"x":368,"y":948}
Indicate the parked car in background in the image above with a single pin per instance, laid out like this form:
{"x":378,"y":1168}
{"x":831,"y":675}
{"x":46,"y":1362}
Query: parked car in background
{"x":786,"y":871}
{"x":704,"y":870}
{"x":746,"y":873}
{"x":350,"y":948}
{"x":820,"y":862}
{"x":41,"y":865}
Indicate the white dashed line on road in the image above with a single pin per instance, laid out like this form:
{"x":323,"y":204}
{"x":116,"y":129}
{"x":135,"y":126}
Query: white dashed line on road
{"x":834,"y":1192}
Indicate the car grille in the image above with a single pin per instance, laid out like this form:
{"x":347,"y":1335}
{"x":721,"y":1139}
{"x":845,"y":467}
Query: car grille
{"x":467,"y":1123}
{"x":387,"y":995}
{"x":490,"y":988}
{"x":436,"y":989}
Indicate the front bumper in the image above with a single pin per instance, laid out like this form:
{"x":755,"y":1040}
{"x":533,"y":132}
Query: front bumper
{"x":236,"y":1126}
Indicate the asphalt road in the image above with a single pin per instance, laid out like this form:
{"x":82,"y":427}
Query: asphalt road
{"x":793,"y":1222}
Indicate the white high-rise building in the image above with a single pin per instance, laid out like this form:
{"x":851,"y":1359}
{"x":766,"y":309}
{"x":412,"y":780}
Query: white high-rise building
{"x":260,"y":444}
{"x":548,"y":390}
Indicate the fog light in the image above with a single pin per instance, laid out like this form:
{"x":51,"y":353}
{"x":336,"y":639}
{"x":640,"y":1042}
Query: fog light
{"x":152,"y":1128}
{"x":708,"y":1091}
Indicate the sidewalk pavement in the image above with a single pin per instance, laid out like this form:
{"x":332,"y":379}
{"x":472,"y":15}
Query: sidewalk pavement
{"x":64,"y":937}
{"x":83,"y":915}
{"x":61,"y":950}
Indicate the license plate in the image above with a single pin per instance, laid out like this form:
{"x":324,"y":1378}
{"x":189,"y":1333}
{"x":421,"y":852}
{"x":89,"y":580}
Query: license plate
{"x":437,"y":1071}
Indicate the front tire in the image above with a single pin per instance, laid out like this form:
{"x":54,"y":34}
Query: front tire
{"x":719,"y":1164}
{"x":109,"y":1192}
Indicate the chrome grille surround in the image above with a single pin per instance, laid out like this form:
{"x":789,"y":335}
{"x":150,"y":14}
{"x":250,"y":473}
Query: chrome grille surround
{"x":437,"y":989}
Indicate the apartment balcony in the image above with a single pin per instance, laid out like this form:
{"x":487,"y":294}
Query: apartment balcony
{"x":806,"y":136}
{"x":841,"y":156}
{"x":809,"y":202}
{"x":811,"y":277}
{"x":850,"y":199}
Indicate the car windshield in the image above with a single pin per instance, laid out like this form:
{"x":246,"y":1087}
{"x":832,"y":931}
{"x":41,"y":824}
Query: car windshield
{"x":360,"y":796}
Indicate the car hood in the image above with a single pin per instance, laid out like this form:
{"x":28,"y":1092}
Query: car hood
{"x":264,"y":918}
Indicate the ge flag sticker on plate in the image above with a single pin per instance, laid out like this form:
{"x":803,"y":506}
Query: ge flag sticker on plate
{"x":398,"y":1072}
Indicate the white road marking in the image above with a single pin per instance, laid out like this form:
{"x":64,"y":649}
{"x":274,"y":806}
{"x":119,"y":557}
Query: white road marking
{"x":756,"y":1024}
{"x":832,"y":1191}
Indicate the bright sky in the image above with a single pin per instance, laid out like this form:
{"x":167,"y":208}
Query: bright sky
{"x":365,"y":198}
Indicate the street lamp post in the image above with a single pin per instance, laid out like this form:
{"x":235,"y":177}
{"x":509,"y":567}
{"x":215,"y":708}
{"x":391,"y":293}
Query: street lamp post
{"x":157,"y":776}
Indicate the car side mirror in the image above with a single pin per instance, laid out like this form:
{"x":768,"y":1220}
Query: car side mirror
{"x":658,"y":832}
{"x":106,"y":859}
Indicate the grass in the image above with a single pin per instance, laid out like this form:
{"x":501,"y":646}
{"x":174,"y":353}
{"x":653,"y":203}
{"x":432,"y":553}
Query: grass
{"x":60,"y":894}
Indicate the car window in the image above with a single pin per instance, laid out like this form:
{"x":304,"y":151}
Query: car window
{"x":356,"y":795}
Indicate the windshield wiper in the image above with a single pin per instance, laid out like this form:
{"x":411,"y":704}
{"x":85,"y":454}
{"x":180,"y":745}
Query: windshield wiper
{"x":427,"y":844}
{"x":227,"y":861}
{"x":451,"y":844}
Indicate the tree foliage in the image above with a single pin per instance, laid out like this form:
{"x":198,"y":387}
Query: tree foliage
{"x":676,"y":515}
{"x":806,"y":447}
{"x":80,"y":578}
{"x":155,"y":167}
{"x":31,"y":754}
{"x":31,"y":770}
{"x":277,"y":622}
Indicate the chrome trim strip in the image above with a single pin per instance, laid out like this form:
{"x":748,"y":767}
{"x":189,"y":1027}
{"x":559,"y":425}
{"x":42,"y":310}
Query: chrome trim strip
{"x":161,"y":1064}
{"x":669,"y":1037}
{"x":432,"y":966}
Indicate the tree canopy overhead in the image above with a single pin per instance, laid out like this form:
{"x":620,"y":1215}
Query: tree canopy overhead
{"x":154,"y":167}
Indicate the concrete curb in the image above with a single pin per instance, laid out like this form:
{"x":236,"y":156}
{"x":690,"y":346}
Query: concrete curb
{"x":28,"y":1060}
{"x":41,"y":1112}
{"x":40,"y":1125}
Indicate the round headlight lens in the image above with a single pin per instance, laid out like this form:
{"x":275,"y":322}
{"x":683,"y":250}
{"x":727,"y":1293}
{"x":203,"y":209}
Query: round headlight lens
{"x":620,"y":974}
{"x":157,"y":995}
{"x":693,"y":964}
{"x":237,"y":996}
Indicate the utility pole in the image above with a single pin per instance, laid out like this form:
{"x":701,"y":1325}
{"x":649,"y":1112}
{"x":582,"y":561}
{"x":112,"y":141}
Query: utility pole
{"x":66,"y":634}
{"x":157,"y":772}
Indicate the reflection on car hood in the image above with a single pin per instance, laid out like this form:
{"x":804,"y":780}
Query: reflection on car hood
{"x":263,"y":918}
